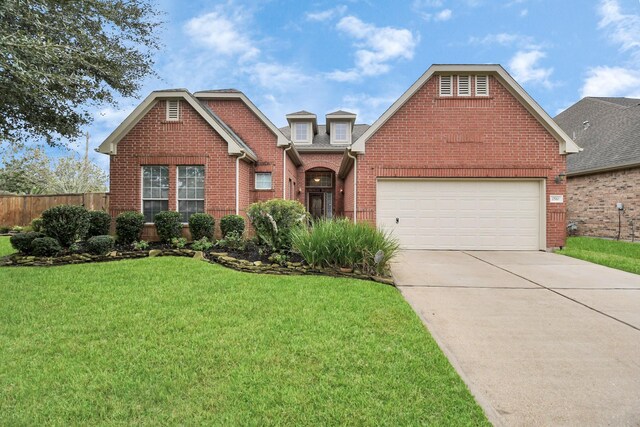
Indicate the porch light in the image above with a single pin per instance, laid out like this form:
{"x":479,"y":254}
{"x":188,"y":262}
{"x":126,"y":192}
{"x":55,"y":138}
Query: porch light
{"x":560,"y":177}
{"x":316,"y":179}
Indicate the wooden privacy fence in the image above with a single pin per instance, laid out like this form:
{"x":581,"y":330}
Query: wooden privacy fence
{"x":20,"y":210}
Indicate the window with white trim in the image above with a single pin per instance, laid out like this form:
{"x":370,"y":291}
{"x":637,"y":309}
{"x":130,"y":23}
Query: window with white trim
{"x":482,"y":85}
{"x":155,"y":191}
{"x":263,"y":181}
{"x":190,"y":191}
{"x":446,"y":85}
{"x":340,"y":133}
{"x":464,"y":85}
{"x":173,"y":110}
{"x":301,"y":132}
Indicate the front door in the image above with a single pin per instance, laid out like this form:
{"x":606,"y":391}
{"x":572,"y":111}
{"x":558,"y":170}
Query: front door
{"x":316,"y":205}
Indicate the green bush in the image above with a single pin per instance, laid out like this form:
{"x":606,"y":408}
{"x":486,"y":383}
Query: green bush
{"x":341,"y":243}
{"x":201,"y":245}
{"x":99,"y":223}
{"x":201,"y":225}
{"x":141,"y":245}
{"x":45,"y":246}
{"x":274,"y":219}
{"x":168,"y":225}
{"x":66,"y":223}
{"x":231,"y":223}
{"x":21,"y":242}
{"x":4,"y":230}
{"x":129,"y":226}
{"x":100,"y":245}
{"x":233,"y":241}
{"x":178,"y":242}
{"x":36,"y":224}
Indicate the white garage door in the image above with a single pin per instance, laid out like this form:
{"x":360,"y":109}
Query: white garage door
{"x":462,"y":214}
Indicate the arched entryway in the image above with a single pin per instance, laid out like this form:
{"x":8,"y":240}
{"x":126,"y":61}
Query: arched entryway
{"x":320,"y":185}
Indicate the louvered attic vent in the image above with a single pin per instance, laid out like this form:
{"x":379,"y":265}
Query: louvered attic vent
{"x":482,"y":86}
{"x":446,"y":86}
{"x":464,"y":85}
{"x":173,"y":109}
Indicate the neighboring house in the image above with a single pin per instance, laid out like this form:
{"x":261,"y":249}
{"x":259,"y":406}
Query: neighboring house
{"x":464,"y":159}
{"x":607,"y":171}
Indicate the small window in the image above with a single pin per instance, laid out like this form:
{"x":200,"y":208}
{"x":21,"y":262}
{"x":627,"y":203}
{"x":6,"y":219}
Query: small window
{"x":319,"y":180}
{"x":173,"y":110}
{"x":301,"y":132}
{"x":155,"y":191}
{"x":464,"y":85}
{"x":446,"y":86}
{"x":482,"y":86}
{"x":340,"y":133}
{"x":190,"y":191}
{"x":263,"y":181}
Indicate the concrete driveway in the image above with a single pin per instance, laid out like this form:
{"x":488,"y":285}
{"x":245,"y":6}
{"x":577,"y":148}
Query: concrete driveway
{"x":539,"y":338}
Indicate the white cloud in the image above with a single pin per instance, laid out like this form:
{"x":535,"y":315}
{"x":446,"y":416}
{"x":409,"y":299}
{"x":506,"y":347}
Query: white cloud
{"x":377,"y":46}
{"x":505,"y":39}
{"x":225,"y":33}
{"x":326,"y":15}
{"x":111,"y":117}
{"x":276,"y":76}
{"x":612,"y":81}
{"x":625,"y":28}
{"x":524,"y":12}
{"x":421,"y":4}
{"x":368,"y":108}
{"x":443,"y":15}
{"x":525,"y":68}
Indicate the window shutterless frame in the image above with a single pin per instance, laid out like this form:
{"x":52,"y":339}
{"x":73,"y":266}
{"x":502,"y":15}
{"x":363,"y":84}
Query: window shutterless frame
{"x":263,"y":181}
{"x":154,"y":190}
{"x":190,"y":190}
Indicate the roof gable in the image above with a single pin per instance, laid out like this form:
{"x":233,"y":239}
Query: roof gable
{"x":235,"y":145}
{"x":566,"y":144}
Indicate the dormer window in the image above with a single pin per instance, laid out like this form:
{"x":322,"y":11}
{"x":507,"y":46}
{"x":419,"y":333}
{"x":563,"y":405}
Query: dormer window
{"x":302,"y":132}
{"x":173,"y":110}
{"x":340,"y":133}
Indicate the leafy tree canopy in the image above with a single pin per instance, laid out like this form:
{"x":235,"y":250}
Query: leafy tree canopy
{"x":57,"y":57}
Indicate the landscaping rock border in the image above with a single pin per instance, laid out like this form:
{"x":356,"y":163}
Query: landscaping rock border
{"x":222,"y":258}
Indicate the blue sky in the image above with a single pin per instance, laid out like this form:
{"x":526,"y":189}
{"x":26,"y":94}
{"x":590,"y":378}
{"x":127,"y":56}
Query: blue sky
{"x":362,"y":55}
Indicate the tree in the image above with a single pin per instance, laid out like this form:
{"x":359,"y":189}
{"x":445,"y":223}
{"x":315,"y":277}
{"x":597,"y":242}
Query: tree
{"x":31,"y":171}
{"x":58,"y":57}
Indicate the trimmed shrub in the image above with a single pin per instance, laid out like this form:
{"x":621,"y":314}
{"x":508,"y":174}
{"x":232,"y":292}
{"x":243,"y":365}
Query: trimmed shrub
{"x":65,"y":223}
{"x":201,"y":245}
{"x":231,"y":223}
{"x":21,"y":242}
{"x":341,"y":243}
{"x":36,"y":224}
{"x":99,"y":223}
{"x":274,"y":219}
{"x":201,"y":225}
{"x":233,"y":241}
{"x":4,"y":230}
{"x":100,"y":245}
{"x":142,"y":245}
{"x":45,"y":246}
{"x":178,"y":242}
{"x":168,"y":225}
{"x":129,"y":226}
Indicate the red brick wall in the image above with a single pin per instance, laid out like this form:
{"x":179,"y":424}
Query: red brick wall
{"x":592,"y":203}
{"x":463,"y":137}
{"x":153,"y":141}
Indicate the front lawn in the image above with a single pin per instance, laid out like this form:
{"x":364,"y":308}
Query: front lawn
{"x":176,"y":341}
{"x":612,"y":253}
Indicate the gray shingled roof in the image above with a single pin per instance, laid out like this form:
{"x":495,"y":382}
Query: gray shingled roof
{"x":322,"y":140}
{"x":610,"y":139}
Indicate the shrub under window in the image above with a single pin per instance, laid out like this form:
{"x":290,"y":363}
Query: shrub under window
{"x":66,"y":223}
{"x":168,"y":225}
{"x":45,"y":246}
{"x":201,"y":225}
{"x":274,"y":219}
{"x":129,"y":226}
{"x":100,"y":245}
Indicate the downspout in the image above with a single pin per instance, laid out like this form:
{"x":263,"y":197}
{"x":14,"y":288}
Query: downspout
{"x":355,"y":186}
{"x":284,"y":170}
{"x":244,"y":154}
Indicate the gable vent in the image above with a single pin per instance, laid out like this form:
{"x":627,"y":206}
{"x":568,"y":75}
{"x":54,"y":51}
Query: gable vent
{"x":482,"y":86}
{"x":464,"y":85}
{"x":173,"y":109}
{"x":446,"y":86}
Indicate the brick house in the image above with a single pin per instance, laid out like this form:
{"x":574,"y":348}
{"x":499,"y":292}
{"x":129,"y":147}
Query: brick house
{"x":464,"y":159}
{"x":607,"y":171}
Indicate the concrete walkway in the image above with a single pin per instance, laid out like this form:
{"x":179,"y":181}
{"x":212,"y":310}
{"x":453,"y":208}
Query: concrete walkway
{"x":539,"y":338}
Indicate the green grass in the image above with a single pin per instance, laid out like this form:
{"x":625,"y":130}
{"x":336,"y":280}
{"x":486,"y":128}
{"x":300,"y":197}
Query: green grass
{"x":175,"y":341}
{"x":621,"y":255}
{"x":5,"y":246}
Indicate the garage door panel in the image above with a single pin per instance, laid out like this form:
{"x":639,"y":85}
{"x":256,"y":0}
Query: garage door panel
{"x":482,"y":215}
